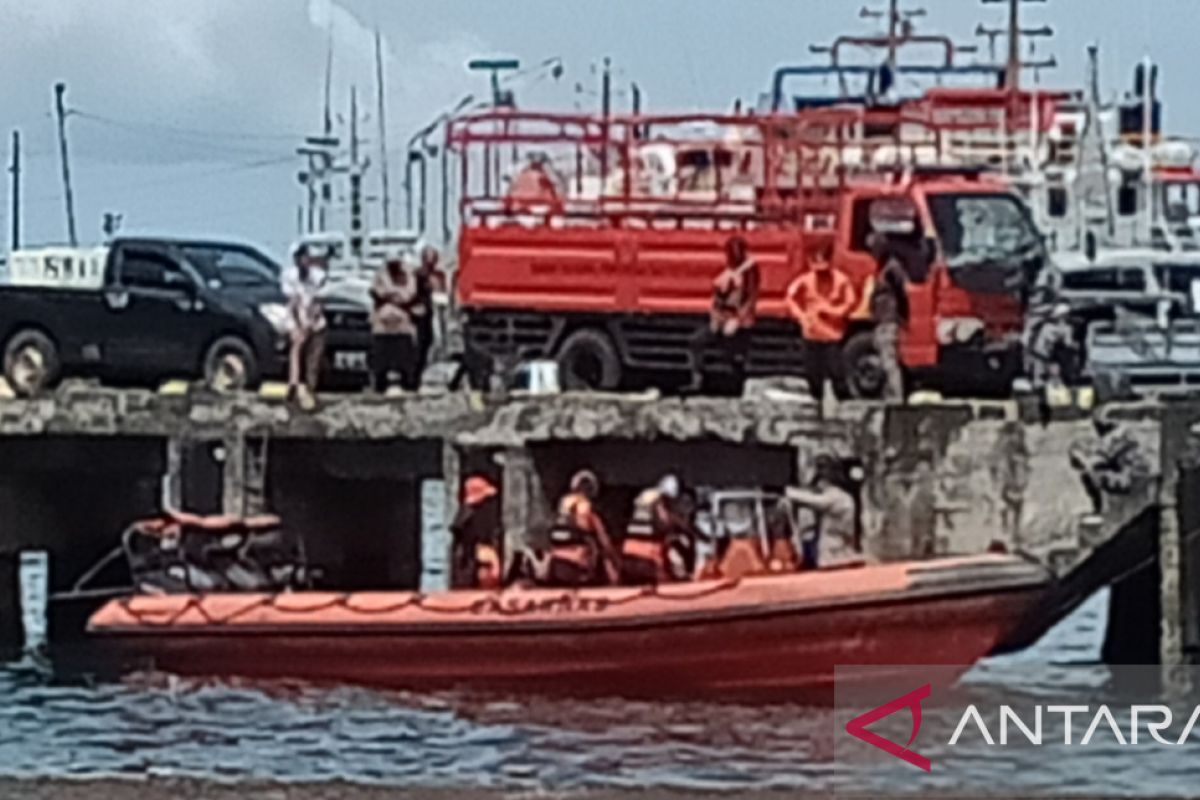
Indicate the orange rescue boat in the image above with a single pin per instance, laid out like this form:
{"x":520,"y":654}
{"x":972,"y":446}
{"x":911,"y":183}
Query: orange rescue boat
{"x":765,"y":635}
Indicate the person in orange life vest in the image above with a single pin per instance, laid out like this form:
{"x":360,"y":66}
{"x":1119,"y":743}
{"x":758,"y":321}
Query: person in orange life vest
{"x":821,"y":300}
{"x":476,"y":535}
{"x":734,"y":301}
{"x":581,"y":552}
{"x":655,"y":522}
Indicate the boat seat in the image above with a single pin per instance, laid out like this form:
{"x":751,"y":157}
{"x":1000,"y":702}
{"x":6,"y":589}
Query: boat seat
{"x":743,"y":557}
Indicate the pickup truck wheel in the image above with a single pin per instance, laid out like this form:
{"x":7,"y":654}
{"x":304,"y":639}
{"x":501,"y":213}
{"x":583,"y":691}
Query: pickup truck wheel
{"x":587,"y":359}
{"x":31,"y":363}
{"x":865,"y":379}
{"x":230,"y":366}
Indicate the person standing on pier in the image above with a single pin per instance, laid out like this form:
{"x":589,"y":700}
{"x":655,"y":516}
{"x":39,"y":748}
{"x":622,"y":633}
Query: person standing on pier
{"x":428,"y":281}
{"x":889,"y":311}
{"x":821,"y":300}
{"x":393,"y":333}
{"x":306,"y":316}
{"x":735,"y":299}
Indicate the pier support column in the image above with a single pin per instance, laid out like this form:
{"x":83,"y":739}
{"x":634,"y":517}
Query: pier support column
{"x":233,"y":475}
{"x":1175,"y":429}
{"x":172,"y":488}
{"x":451,"y":480}
{"x":520,"y":496}
{"x":243,"y":490}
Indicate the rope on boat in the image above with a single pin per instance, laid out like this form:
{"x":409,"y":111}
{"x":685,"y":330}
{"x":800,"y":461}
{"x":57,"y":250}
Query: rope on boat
{"x":492,"y":605}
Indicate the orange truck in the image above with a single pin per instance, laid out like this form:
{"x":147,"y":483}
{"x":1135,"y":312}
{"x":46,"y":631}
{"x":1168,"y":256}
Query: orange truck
{"x":594,"y":241}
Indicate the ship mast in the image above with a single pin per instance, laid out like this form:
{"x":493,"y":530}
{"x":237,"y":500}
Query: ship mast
{"x":1014,"y":33}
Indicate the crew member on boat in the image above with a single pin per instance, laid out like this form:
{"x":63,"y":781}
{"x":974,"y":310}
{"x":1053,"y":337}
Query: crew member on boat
{"x":735,"y":299}
{"x":581,"y":552}
{"x":832,"y":540}
{"x":655,"y":522}
{"x":477,"y":537}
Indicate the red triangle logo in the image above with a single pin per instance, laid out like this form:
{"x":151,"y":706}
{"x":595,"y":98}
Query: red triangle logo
{"x":857,"y":727}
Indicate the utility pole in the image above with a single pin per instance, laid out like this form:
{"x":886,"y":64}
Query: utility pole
{"x":15,"y":170}
{"x":59,"y":90}
{"x":383,"y":164}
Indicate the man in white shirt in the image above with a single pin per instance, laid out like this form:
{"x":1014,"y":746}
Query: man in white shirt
{"x":306,"y":316}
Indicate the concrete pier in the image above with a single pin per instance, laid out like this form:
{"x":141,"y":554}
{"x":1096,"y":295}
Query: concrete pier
{"x":346,"y":478}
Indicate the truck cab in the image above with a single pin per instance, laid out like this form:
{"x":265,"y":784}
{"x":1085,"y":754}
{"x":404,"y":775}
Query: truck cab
{"x":979,"y":256}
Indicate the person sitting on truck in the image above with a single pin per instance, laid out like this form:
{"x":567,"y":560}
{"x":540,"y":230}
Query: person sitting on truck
{"x":393,"y":334}
{"x":734,"y":302}
{"x":581,"y":552}
{"x":821,"y":300}
{"x":654,"y":521}
{"x":306,"y":316}
{"x":477,"y":535}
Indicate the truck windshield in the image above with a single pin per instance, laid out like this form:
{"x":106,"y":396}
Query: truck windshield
{"x":232,"y":265}
{"x":988,"y":240}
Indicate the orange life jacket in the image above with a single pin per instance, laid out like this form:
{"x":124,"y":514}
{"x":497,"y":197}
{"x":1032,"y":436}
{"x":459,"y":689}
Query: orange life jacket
{"x":823,"y":314}
{"x":570,"y":540}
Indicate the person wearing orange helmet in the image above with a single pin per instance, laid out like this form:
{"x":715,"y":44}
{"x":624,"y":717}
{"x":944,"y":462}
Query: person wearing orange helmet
{"x":476,"y":537}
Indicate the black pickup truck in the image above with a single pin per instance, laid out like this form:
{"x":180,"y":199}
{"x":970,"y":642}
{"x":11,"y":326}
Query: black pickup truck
{"x":162,"y":309}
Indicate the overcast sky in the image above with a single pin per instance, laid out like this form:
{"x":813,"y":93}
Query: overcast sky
{"x":190,"y":110}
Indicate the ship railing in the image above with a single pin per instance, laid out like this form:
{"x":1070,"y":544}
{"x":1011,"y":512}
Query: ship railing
{"x":564,"y":169}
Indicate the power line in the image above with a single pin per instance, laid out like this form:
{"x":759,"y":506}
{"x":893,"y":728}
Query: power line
{"x":226,"y":170}
{"x":189,"y":132}
{"x":185,"y":141}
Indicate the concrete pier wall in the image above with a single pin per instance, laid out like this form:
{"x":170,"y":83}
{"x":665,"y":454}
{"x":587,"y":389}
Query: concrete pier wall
{"x":76,"y":466}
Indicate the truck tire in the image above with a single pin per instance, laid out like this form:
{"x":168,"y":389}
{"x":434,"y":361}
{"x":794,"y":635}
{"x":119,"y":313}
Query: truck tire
{"x":230,"y":366}
{"x":587,"y":359}
{"x":864,"y":371}
{"x":31,"y":362}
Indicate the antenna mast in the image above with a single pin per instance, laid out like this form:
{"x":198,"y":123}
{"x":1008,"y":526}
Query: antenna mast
{"x":15,"y":211}
{"x":1014,"y":32}
{"x":383,"y":164}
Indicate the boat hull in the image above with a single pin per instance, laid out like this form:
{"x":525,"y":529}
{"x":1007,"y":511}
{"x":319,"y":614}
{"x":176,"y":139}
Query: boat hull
{"x":719,"y":640}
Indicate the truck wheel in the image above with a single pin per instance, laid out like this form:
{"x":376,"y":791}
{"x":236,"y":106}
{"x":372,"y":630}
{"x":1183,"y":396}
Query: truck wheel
{"x":230,"y":366}
{"x":587,"y":359}
{"x":31,"y":363}
{"x":864,"y":370}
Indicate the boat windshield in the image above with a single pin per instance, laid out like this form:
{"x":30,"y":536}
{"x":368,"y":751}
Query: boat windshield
{"x":989,"y":241}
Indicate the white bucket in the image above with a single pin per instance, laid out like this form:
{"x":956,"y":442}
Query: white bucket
{"x":543,"y":377}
